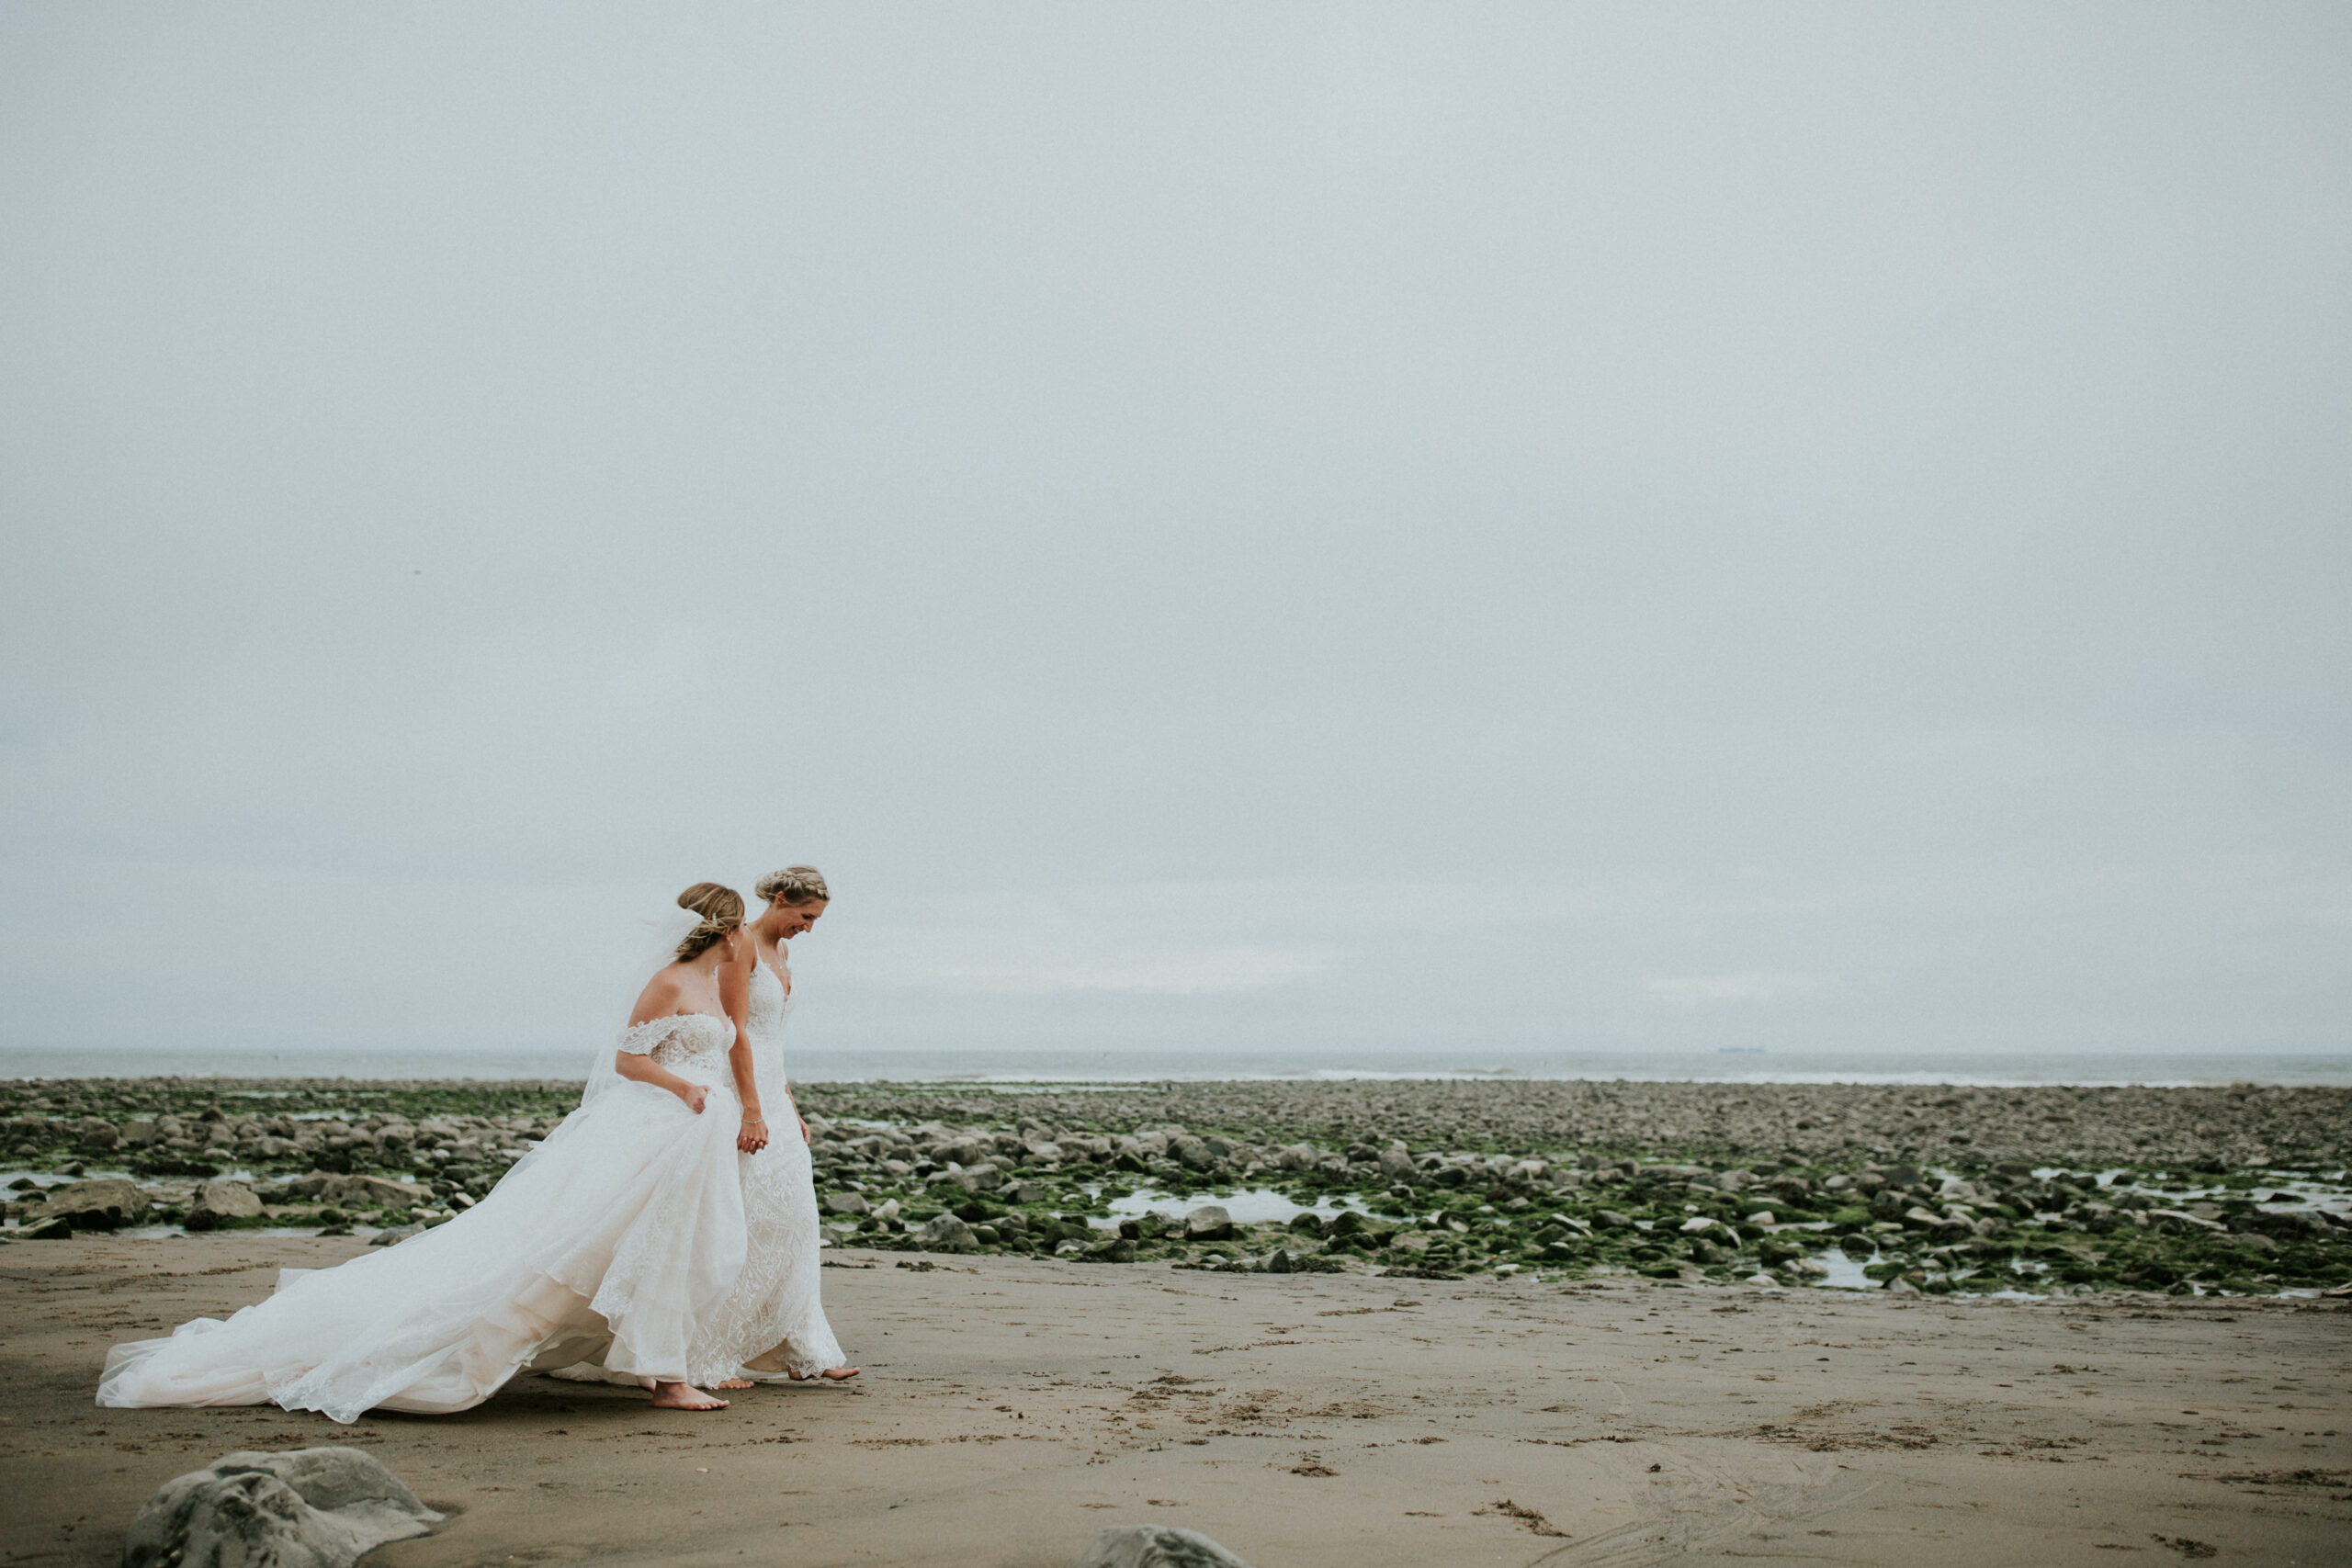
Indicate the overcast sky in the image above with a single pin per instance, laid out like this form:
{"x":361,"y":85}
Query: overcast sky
{"x":1441,"y":529}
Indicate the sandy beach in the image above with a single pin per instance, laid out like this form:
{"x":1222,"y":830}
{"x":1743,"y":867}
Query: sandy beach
{"x":1011,"y":1407}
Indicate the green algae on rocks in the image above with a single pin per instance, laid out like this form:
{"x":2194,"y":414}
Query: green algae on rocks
{"x":2236,"y":1188}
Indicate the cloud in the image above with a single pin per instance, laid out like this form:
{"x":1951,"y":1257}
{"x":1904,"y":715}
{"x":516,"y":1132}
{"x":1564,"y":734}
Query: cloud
{"x":1138,"y":970}
{"x":1745,"y":986}
{"x":1510,"y":532}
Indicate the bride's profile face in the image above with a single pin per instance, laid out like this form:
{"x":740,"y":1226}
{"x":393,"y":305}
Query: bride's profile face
{"x":797,"y":918}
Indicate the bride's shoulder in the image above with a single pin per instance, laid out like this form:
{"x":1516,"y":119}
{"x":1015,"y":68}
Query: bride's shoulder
{"x":658,"y":1000}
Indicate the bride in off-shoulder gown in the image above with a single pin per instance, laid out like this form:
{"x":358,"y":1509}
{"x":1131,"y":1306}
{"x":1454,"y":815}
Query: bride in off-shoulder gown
{"x":606,"y":1245}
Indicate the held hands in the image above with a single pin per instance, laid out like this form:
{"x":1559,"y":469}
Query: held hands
{"x":754,"y":1136}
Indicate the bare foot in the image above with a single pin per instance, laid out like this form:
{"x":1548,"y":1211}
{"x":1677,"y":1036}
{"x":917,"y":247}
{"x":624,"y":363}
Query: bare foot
{"x":830,"y":1374}
{"x":732,"y":1382}
{"x":683,"y":1396}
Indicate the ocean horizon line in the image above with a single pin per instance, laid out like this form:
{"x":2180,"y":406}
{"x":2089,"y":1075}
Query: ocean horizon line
{"x":984,"y":1067}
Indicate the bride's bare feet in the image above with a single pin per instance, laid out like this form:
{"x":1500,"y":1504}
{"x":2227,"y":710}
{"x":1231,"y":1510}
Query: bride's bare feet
{"x":830,"y":1374}
{"x":683,"y":1396}
{"x":732,"y":1382}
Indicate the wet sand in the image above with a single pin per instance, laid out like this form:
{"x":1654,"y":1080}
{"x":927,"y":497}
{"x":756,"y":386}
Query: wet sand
{"x":1011,"y":1407}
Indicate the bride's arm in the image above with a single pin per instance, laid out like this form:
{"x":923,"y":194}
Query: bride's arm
{"x":642,"y":1069}
{"x":658,"y":1000}
{"x":734,"y":996}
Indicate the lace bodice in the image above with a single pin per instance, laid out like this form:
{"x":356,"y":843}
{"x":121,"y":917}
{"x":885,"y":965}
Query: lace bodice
{"x":693,"y":1043}
{"x":768,"y":1004}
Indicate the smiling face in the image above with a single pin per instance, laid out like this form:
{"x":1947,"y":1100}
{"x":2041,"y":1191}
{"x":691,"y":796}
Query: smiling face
{"x":791,"y":920}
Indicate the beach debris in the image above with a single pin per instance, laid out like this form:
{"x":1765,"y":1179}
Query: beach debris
{"x":1532,"y":1518}
{"x":1154,"y":1546}
{"x":319,"y":1508}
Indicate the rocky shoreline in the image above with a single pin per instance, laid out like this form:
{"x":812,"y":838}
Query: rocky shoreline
{"x":2236,"y":1190}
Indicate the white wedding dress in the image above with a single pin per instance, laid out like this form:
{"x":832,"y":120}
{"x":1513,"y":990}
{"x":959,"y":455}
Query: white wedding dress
{"x":609,"y":1243}
{"x":770,"y":1323}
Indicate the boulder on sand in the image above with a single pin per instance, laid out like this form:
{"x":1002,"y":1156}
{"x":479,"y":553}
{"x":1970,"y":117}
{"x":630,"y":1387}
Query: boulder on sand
{"x":946,"y":1232}
{"x":1155,"y":1546}
{"x":301,"y":1508}
{"x":102,"y":1205}
{"x":220,"y":1200}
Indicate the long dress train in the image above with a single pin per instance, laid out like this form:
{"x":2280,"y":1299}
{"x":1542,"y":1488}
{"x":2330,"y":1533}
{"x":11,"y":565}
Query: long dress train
{"x":772,"y":1324}
{"x":606,"y":1243}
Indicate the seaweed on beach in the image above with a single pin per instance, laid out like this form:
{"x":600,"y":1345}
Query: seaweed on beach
{"x":2239,"y":1189}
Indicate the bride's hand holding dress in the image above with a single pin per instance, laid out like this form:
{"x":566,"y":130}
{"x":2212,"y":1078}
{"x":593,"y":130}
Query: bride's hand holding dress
{"x":663,"y":997}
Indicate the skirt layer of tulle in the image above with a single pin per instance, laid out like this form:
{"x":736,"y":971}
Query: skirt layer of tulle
{"x":603,"y":1245}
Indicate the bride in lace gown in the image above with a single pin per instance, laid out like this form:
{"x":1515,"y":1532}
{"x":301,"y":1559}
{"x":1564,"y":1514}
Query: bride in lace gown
{"x":609,"y":1243}
{"x":772,"y":1324}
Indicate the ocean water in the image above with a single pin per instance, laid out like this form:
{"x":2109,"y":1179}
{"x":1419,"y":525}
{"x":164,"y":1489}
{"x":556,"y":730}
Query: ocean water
{"x":1015,"y":1067}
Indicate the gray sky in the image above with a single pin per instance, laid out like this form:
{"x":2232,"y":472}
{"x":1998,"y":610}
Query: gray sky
{"x":1341,"y":526}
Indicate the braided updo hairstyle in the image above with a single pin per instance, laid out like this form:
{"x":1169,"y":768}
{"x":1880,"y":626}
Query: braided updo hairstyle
{"x":721,"y":909}
{"x":793,"y":885}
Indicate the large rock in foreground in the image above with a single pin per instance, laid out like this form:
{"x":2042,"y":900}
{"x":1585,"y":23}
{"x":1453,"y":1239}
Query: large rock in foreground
{"x":101,"y":1205}
{"x":1155,"y":1546}
{"x":302,"y":1508}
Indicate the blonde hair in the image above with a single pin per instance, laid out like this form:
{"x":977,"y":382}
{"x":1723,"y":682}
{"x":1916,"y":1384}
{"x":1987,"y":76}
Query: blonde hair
{"x":793,"y":885}
{"x":721,"y":909}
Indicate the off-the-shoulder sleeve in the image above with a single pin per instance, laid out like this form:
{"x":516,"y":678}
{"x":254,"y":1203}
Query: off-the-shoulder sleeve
{"x":639,"y":1039}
